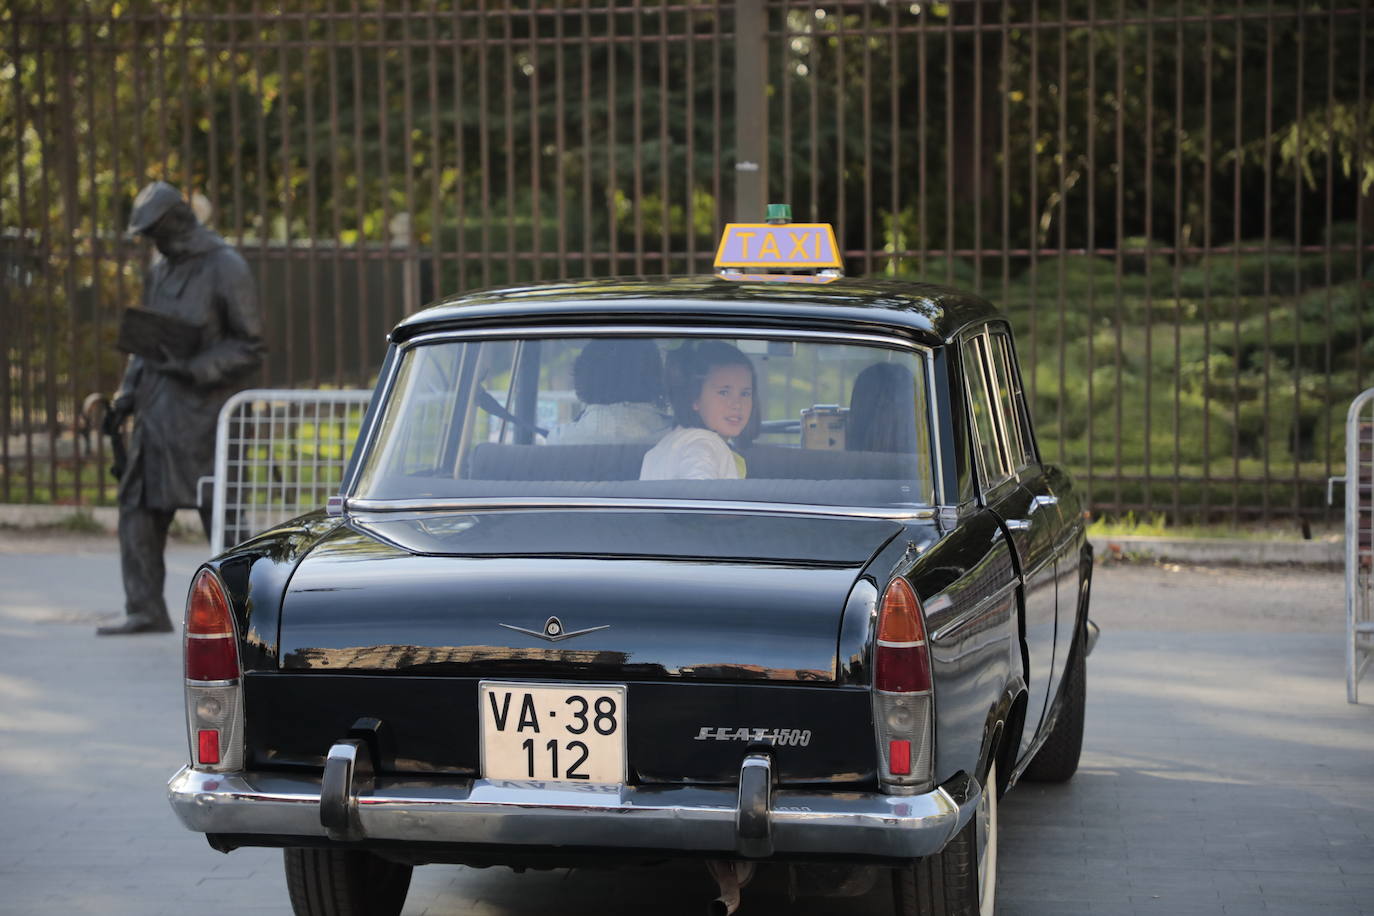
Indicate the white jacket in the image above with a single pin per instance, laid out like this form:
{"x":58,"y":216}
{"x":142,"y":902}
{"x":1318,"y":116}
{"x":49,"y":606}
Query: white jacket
{"x":688,"y":453}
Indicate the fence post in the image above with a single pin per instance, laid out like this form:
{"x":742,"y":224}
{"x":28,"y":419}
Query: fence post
{"x":751,"y":109}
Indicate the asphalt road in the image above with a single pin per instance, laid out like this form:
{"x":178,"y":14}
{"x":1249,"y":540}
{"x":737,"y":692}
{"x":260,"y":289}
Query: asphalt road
{"x":1223,"y":771}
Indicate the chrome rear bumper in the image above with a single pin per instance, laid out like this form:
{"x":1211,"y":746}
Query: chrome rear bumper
{"x":506,"y":813}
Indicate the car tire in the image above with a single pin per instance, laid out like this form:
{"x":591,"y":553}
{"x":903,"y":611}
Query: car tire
{"x":1057,"y":759}
{"x":344,"y":882}
{"x":961,"y":879}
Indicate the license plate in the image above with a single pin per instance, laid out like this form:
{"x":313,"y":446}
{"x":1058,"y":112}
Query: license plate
{"x":566,"y":732}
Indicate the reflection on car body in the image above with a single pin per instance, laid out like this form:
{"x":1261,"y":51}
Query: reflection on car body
{"x":833,"y":662}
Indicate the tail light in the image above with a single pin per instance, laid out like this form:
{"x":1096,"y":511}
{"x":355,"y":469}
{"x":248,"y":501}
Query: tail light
{"x":214,"y":693}
{"x":902,"y":691}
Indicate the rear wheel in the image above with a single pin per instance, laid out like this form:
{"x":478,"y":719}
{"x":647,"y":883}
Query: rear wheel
{"x":1057,"y":759}
{"x":961,"y":879}
{"x":344,"y":882}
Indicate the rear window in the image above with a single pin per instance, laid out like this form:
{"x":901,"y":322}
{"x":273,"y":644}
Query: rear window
{"x":642,"y":417}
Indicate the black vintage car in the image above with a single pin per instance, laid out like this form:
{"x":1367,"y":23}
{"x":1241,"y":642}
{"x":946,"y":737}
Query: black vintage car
{"x":755,"y":571}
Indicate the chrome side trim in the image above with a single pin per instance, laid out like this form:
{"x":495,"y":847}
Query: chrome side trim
{"x":1048,"y":560}
{"x":974,"y":612}
{"x":510,"y":813}
{"x":470,"y":504}
{"x":1068,"y":541}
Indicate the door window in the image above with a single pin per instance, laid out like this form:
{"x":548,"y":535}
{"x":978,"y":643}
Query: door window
{"x":993,"y":464}
{"x":1012,"y":413}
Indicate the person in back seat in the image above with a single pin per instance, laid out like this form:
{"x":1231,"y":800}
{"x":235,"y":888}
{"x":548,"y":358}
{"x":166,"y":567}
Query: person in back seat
{"x":882,"y":410}
{"x":620,"y":382}
{"x":712,"y":389}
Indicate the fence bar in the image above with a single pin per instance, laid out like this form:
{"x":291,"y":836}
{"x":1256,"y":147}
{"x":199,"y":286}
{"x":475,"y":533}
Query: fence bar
{"x":1268,"y":239}
{"x":751,"y":107}
{"x":1148,"y":211}
{"x":665,"y":220}
{"x":1061,"y":260}
{"x":1207,"y":270}
{"x":637,"y":133}
{"x":1177,"y":322}
{"x":1120,"y":242}
{"x":1327,"y":390}
{"x":336,"y":198}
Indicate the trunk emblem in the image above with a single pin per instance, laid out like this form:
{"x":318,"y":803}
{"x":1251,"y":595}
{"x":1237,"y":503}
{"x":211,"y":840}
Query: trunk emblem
{"x":553,"y":630}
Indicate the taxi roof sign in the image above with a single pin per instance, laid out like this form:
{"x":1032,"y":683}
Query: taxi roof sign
{"x":787,"y":246}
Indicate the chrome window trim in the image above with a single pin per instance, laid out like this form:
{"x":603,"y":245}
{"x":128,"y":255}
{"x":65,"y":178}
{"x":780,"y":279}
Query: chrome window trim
{"x":385,"y":386}
{"x":661,"y":330}
{"x":519,"y":503}
{"x":381,"y":397}
{"x":933,"y":418}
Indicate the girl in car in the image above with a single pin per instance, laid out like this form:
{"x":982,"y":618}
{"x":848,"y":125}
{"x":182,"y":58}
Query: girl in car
{"x":712,"y":390}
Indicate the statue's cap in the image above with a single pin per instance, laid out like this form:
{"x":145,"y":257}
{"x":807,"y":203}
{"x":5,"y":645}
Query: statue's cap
{"x":151,"y":204}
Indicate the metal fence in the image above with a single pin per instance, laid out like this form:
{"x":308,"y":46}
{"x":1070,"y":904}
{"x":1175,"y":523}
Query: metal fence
{"x":1359,"y":542}
{"x":1171,"y":200}
{"x":279,"y":454}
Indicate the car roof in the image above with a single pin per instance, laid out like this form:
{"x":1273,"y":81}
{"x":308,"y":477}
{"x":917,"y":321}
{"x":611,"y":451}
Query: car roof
{"x":926,"y":312}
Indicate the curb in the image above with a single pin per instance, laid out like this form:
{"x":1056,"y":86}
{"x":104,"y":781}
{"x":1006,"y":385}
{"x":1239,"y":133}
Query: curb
{"x":1222,"y":551}
{"x":106,"y":518}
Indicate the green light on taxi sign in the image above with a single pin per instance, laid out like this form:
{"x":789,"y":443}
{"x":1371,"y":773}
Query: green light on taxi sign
{"x":789,"y":246}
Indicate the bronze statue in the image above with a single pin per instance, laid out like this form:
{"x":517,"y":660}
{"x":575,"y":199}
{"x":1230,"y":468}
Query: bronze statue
{"x":200,"y":285}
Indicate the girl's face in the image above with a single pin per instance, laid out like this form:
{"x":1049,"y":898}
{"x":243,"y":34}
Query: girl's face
{"x":726,"y":400}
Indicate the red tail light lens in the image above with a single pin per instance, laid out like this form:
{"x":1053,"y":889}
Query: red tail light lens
{"x":901,"y":662}
{"x":899,"y":757}
{"x":211,"y":652}
{"x":208,"y":750}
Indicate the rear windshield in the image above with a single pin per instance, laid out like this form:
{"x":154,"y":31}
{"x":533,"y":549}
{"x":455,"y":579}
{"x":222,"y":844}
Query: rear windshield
{"x":779,"y":420}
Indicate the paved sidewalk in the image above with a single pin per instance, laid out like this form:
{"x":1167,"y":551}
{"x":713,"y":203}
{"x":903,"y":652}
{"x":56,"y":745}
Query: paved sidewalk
{"x":1223,"y":770}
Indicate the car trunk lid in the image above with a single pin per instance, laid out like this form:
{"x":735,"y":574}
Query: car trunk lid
{"x":580,"y":594}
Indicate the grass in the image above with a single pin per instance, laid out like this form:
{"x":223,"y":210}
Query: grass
{"x":1156,"y":524}
{"x":80,"y":522}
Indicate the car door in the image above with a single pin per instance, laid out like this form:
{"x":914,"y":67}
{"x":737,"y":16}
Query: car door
{"x":1015,"y":488}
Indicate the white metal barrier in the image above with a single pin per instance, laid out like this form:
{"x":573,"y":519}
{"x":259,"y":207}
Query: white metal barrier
{"x":1359,"y":541}
{"x":280,"y":453}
